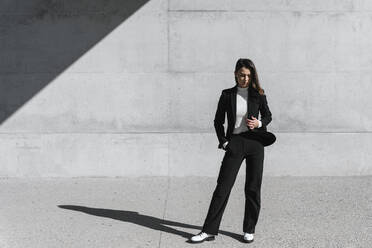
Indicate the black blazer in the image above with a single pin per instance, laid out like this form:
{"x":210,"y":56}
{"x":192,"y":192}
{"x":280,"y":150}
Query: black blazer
{"x":256,"y":103}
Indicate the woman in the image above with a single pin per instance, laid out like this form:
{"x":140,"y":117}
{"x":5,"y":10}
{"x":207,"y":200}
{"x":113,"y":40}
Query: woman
{"x":245,"y":138}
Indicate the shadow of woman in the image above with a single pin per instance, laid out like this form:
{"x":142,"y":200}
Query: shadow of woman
{"x":143,"y":220}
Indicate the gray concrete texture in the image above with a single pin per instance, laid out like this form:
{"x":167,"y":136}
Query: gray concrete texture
{"x":304,"y":212}
{"x":130,"y":88}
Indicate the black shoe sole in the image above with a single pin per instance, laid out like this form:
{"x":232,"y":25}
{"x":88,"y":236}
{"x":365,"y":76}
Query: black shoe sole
{"x":248,"y":241}
{"x":201,"y":241}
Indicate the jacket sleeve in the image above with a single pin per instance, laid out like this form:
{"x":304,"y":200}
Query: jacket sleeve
{"x":219,"y":120}
{"x":265,"y":111}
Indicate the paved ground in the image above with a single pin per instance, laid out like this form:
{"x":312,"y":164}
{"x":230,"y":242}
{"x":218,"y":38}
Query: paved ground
{"x":163,"y":212}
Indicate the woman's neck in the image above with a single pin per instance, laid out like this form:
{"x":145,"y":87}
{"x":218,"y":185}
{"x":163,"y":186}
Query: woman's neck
{"x":242,"y":88}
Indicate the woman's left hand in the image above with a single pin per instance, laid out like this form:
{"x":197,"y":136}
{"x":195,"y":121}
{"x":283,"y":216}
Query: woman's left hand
{"x":252,"y":123}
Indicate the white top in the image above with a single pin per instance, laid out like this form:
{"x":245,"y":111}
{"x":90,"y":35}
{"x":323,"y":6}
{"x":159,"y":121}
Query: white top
{"x":241,"y":112}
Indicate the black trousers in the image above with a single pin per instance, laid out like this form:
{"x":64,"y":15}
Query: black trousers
{"x":237,"y":149}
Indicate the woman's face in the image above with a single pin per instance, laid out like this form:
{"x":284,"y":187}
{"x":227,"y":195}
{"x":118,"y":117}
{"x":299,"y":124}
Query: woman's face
{"x":243,"y":77}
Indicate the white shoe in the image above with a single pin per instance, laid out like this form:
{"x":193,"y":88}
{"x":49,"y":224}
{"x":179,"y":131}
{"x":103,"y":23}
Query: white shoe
{"x":248,"y":237}
{"x":202,"y":236}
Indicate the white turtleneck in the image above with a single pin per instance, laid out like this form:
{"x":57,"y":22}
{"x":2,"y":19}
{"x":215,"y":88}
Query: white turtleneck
{"x":241,"y":112}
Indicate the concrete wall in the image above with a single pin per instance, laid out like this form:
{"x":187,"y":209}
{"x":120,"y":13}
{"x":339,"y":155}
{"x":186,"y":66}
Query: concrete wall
{"x":107,"y":88}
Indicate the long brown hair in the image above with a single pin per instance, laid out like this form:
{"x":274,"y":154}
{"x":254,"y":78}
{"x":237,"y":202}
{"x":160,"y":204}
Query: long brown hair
{"x":254,"y":82}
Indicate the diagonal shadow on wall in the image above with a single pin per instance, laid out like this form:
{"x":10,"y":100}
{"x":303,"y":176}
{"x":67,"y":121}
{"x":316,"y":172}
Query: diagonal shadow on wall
{"x":44,"y":37}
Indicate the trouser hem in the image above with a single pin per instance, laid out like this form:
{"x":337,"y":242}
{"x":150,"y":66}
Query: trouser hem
{"x":208,"y":232}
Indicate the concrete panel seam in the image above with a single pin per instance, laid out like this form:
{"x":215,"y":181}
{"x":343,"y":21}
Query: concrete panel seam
{"x":276,"y":11}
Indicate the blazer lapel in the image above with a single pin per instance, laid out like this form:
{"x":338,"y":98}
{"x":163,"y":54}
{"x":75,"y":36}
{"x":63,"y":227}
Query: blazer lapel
{"x":233,"y":102}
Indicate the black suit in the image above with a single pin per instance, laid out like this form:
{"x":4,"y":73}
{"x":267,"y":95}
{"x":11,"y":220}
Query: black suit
{"x":256,"y":103}
{"x":248,"y":145}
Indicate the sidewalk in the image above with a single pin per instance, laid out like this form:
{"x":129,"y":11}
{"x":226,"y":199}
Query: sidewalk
{"x":164,"y":212}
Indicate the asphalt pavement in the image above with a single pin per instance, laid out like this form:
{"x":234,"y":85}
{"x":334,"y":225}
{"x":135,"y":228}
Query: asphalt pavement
{"x":165,"y":212}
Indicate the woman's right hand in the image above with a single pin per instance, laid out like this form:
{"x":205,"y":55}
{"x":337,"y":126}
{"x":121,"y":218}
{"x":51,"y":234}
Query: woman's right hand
{"x":224,"y":145}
